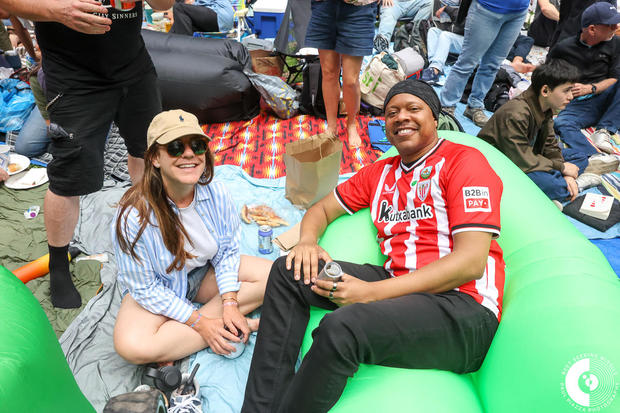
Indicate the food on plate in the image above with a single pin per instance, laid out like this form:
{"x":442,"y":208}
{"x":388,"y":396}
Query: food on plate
{"x":262,"y":215}
{"x":13,"y":167}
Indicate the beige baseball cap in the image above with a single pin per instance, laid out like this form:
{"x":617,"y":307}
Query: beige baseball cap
{"x":173,"y":124}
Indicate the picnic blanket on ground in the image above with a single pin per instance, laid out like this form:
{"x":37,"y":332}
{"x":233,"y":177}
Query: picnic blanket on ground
{"x":24,"y":240}
{"x":257,"y":145}
{"x":87,"y":343}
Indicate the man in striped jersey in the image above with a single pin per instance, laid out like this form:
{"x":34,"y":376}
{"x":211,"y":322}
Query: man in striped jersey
{"x":435,"y":303}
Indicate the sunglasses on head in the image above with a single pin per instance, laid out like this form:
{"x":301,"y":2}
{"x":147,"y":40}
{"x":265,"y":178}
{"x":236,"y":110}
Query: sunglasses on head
{"x":177,"y":147}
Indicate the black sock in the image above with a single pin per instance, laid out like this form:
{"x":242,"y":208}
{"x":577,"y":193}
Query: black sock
{"x":63,"y":292}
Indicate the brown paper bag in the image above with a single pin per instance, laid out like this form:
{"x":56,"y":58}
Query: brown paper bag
{"x":312,"y":167}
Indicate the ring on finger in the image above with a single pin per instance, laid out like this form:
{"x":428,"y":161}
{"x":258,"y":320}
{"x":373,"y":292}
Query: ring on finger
{"x":335,"y":286}
{"x":331,"y":295}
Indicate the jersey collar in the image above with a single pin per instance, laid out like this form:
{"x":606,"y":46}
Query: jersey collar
{"x":408,"y":168}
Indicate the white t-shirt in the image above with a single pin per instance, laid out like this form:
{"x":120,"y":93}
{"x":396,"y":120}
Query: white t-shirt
{"x":204,"y":247}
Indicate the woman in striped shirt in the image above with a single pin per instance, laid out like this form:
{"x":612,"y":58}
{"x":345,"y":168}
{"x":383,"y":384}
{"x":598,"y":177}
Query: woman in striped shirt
{"x":177,"y":241}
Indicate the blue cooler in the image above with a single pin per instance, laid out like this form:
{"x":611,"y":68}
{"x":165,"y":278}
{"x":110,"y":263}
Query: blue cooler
{"x":268,"y":15}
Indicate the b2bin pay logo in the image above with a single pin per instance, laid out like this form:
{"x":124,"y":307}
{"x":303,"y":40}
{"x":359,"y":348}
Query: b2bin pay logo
{"x":590,"y":382}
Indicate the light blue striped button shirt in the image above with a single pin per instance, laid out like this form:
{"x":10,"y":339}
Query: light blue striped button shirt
{"x":164,"y":293}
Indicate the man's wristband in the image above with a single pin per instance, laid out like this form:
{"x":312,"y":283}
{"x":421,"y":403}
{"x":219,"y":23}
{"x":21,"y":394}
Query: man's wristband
{"x":196,"y":321}
{"x":593,"y":88}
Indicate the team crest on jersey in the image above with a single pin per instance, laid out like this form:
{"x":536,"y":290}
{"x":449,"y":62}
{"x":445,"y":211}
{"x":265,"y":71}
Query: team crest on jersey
{"x":423,"y":189}
{"x":426,"y":172}
{"x":476,"y":199}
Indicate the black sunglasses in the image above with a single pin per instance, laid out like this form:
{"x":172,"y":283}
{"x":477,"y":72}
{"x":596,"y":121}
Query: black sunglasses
{"x":177,"y":147}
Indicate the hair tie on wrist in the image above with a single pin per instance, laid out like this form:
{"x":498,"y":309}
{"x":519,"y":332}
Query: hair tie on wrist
{"x":230,"y":303}
{"x":196,"y":321}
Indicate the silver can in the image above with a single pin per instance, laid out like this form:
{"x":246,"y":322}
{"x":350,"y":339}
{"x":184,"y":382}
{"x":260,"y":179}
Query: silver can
{"x":331,"y":272}
{"x":265,"y":233}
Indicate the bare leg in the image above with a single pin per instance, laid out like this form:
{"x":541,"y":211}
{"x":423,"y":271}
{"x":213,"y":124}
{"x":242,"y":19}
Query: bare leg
{"x":143,"y":337}
{"x":351,"y":66}
{"x":330,"y":70}
{"x":61,"y":215}
{"x":135,"y":167}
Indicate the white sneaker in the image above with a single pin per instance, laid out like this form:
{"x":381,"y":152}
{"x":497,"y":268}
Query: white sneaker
{"x":558,"y":204}
{"x":603,"y":163}
{"x":588,"y":180}
{"x":602,"y":140}
{"x":186,"y":403}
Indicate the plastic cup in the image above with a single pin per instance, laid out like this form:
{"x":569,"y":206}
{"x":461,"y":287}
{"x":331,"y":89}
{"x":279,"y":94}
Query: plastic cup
{"x":4,"y":156}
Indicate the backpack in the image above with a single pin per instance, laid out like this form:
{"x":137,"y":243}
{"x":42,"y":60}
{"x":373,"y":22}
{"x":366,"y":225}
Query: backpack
{"x":447,"y":121}
{"x":497,"y":95}
{"x":414,"y":35}
{"x":311,"y":100}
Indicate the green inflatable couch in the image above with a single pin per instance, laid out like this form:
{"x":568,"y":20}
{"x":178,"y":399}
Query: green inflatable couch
{"x":556,"y":349}
{"x":34,"y":375}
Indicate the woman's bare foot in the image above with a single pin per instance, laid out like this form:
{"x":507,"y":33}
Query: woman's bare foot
{"x":253,"y":323}
{"x":354,"y":138}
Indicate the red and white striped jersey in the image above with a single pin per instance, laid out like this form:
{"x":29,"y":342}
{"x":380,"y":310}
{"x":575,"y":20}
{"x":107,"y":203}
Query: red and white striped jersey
{"x":417,"y":209}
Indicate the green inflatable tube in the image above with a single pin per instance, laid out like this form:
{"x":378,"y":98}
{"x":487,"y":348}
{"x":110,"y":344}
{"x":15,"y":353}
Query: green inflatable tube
{"x":34,"y":375}
{"x":556,"y":349}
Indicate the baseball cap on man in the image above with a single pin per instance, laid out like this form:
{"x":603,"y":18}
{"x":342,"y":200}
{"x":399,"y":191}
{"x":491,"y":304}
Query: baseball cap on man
{"x":173,"y":124}
{"x":600,"y":13}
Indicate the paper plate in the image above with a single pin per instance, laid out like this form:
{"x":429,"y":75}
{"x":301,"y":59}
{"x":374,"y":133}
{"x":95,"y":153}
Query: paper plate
{"x":26,"y":180}
{"x":21,"y":161}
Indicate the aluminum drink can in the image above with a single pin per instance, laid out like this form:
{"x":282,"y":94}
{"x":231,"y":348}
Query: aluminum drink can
{"x":330,"y":272}
{"x":264,"y":239}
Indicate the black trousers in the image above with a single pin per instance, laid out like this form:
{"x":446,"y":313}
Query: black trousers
{"x":448,"y":331}
{"x":189,"y":18}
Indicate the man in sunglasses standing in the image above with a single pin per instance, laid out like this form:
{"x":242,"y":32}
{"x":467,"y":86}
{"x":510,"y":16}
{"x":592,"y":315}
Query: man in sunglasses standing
{"x":91,"y":81}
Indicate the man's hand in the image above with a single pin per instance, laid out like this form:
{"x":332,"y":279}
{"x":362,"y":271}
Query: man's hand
{"x":579,"y":89}
{"x":570,"y":169}
{"x":235,"y":321}
{"x":213,"y":332}
{"x":573,"y":189}
{"x":349,"y":290}
{"x":78,"y":15}
{"x":4,"y":175}
{"x":306,"y":255}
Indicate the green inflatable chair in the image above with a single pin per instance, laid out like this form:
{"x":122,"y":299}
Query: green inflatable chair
{"x":34,"y":375}
{"x":557,"y":346}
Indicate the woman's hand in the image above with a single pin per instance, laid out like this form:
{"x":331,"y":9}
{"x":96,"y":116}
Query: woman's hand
{"x":306,"y":254}
{"x":349,"y":290}
{"x":387,"y":3}
{"x":213,"y":332}
{"x":235,"y":322}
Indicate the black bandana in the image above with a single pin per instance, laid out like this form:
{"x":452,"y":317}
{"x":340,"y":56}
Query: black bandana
{"x":416,"y":88}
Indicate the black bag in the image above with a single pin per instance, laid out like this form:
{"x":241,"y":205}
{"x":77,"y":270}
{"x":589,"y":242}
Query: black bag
{"x":572,"y":210}
{"x":497,"y":94}
{"x":413,"y":35}
{"x":312,"y":102}
{"x":151,"y":401}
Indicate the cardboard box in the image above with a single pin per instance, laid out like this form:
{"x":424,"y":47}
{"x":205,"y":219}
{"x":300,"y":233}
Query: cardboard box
{"x":263,"y":62}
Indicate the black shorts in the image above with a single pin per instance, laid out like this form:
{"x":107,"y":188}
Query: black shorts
{"x":79,"y":127}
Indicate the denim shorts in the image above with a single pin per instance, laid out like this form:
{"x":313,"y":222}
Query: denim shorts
{"x":194,"y":281}
{"x":342,"y":27}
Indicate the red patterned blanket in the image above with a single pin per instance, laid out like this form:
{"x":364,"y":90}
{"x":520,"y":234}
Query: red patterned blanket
{"x":257,"y":145}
